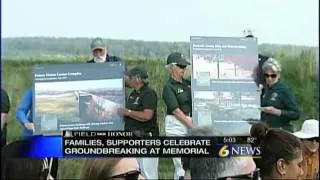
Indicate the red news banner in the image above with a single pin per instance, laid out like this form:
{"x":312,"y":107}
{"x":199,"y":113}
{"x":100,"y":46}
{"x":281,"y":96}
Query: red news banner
{"x":128,"y":144}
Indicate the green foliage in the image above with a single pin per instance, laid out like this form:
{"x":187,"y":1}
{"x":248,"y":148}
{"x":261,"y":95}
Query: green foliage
{"x":45,"y":47}
{"x":298,"y":74}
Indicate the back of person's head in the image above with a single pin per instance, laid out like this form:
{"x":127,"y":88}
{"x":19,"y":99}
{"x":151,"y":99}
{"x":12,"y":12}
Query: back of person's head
{"x":13,"y":166}
{"x":211,"y":168}
{"x":108,"y":168}
{"x":98,"y":168}
{"x":276,"y":145}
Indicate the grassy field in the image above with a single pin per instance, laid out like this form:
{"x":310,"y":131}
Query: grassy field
{"x":298,"y":74}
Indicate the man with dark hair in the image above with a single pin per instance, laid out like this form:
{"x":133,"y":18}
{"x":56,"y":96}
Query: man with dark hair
{"x":216,"y":168}
{"x":258,"y":74}
{"x":140,"y":115}
{"x":212,"y":168}
{"x":5,"y":108}
{"x":13,"y":166}
{"x":100,"y":52}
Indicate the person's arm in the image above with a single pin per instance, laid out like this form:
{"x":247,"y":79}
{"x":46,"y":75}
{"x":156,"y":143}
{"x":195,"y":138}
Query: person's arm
{"x":173,"y":106}
{"x":149,"y":103}
{"x":291,"y":110}
{"x":5,"y":107}
{"x":24,"y":107}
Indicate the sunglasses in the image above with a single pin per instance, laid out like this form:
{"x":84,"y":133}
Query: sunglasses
{"x":255,"y":175}
{"x":315,"y":140}
{"x":270,"y":75}
{"x":131,"y":175}
{"x":181,"y":66}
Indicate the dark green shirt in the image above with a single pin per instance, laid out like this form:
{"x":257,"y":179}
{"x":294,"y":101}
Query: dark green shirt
{"x":281,"y":98}
{"x":145,"y":98}
{"x":177,"y":95}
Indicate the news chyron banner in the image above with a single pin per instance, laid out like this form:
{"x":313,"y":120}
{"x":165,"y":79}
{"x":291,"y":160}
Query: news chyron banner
{"x":99,"y":144}
{"x":224,"y":93}
{"x":126,"y":144}
{"x":78,"y":97}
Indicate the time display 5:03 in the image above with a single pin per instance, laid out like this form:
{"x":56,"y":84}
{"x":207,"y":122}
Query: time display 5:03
{"x":229,"y":139}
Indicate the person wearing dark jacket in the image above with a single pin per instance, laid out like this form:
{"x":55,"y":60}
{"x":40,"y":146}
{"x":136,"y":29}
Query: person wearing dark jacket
{"x":100,"y":52}
{"x":258,"y":73}
{"x":5,"y":108}
{"x":278,"y":104}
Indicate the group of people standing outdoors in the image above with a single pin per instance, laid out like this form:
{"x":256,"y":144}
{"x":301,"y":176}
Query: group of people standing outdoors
{"x":284,"y":152}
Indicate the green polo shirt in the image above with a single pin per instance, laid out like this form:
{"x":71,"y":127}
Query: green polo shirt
{"x":177,"y":95}
{"x":280,"y":97}
{"x":145,"y":98}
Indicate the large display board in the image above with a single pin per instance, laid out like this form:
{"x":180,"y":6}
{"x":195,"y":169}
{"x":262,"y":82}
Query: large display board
{"x":78,"y":97}
{"x":224,"y":93}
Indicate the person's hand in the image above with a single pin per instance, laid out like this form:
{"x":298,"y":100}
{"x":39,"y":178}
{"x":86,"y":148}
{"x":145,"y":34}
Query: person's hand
{"x":272,"y":110}
{"x":124,"y":111}
{"x":190,"y":125}
{"x":29,"y":126}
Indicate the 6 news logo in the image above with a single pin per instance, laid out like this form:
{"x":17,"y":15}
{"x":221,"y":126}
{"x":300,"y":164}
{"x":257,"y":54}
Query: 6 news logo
{"x":238,"y":150}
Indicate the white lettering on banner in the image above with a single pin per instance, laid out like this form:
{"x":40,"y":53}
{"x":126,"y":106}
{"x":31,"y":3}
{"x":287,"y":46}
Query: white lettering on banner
{"x":83,"y":142}
{"x":110,"y":151}
{"x":133,"y":142}
{"x":182,"y":142}
{"x":179,"y":151}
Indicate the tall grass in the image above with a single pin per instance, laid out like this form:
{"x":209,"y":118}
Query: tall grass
{"x":299,"y":75}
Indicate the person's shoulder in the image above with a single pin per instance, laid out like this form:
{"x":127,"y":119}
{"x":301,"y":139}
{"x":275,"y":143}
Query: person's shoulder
{"x":168,"y":84}
{"x":282,"y":87}
{"x":150,"y":90}
{"x":4,"y":93}
{"x":114,"y":58}
{"x":187,"y":81}
{"x":90,"y":61}
{"x":263,"y":58}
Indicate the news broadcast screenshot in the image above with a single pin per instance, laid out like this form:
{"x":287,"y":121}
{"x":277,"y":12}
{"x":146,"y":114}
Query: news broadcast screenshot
{"x":159,"y":90}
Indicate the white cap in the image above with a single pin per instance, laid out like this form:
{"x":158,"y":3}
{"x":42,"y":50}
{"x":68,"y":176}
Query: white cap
{"x":310,"y":129}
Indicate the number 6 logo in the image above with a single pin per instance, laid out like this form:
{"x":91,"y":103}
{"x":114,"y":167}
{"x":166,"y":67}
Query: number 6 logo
{"x":224,"y":152}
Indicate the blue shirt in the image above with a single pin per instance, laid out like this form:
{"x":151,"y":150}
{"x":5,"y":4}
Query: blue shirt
{"x":25,"y":112}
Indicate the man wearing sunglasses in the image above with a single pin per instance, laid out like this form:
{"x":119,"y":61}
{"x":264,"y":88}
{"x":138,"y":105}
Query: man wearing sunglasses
{"x":223,"y":168}
{"x":309,"y":134}
{"x":278,"y":104}
{"x":258,"y":73}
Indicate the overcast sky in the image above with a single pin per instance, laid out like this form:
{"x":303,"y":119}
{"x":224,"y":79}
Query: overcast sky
{"x":273,"y":21}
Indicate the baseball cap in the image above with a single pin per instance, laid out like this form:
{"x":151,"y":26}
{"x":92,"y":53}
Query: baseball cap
{"x":310,"y":129}
{"x":138,"y":71}
{"x":177,"y":58}
{"x":97,"y":43}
